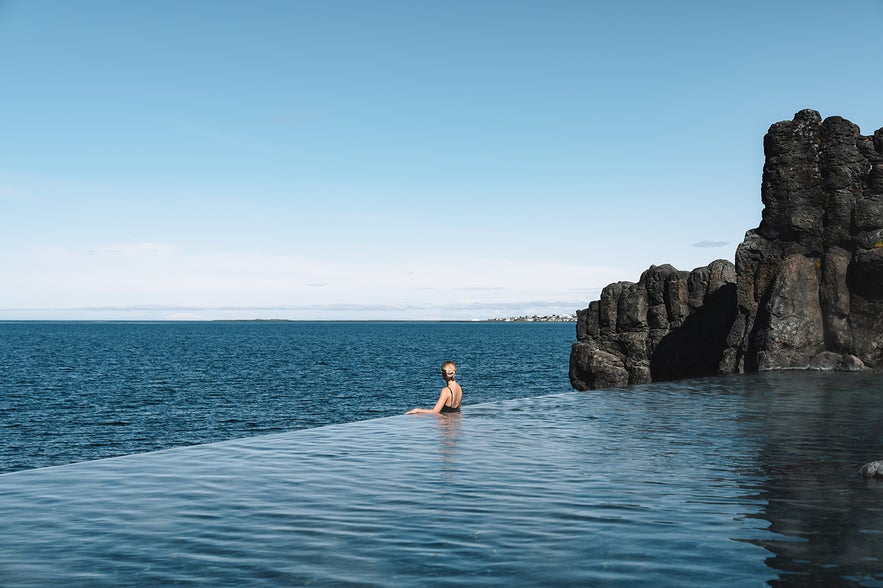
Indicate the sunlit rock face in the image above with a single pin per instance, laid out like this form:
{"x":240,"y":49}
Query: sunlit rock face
{"x":806,"y":290}
{"x":810,"y":277}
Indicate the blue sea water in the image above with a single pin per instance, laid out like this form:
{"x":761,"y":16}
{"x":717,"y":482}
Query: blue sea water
{"x":74,"y":391}
{"x":738,"y":481}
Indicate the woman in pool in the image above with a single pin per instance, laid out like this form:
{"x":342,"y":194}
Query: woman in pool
{"x":450,"y":396}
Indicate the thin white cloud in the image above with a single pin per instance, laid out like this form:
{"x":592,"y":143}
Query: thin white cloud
{"x":296,"y":117}
{"x":11,"y":192}
{"x":351,"y":311}
{"x":133,"y":248}
{"x":157,"y":280}
{"x":707,"y":243}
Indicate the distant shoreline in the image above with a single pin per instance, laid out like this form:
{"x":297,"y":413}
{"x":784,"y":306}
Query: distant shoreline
{"x":555,"y":318}
{"x":518,"y":319}
{"x":549,"y":318}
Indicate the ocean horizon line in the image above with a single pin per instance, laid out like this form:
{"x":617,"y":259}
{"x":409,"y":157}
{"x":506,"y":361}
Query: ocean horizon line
{"x":284,"y":320}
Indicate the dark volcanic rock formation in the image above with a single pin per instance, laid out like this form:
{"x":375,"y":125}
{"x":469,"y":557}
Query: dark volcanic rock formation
{"x":671,"y":324}
{"x":810,"y":277}
{"x":807,"y":287}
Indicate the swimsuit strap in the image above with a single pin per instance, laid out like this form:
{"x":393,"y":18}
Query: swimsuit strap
{"x":451,"y":390}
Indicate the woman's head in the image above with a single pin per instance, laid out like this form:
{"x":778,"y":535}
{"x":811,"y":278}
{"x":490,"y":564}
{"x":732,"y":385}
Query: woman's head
{"x":449,"y":370}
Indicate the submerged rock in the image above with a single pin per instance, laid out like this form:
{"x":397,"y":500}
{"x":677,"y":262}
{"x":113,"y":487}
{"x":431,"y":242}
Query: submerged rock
{"x":872,"y":469}
{"x":806,"y":289}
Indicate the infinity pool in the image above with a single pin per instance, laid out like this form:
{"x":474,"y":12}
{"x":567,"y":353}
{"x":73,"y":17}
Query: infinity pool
{"x":723,"y":481}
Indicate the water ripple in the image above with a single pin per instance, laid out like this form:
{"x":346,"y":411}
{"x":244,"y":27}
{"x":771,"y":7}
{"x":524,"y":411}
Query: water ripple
{"x":735,"y":482}
{"x":520,"y":492}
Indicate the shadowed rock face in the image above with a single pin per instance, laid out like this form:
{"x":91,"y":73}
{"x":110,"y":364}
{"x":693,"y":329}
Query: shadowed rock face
{"x":806,"y":290}
{"x":671,"y":324}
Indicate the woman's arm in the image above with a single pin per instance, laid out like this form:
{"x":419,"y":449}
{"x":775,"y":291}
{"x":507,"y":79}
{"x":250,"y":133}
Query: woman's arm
{"x":438,"y":405}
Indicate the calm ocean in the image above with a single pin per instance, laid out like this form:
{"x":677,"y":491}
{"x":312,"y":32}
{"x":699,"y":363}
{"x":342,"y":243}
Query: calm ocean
{"x":75,"y":391}
{"x":276,"y":454}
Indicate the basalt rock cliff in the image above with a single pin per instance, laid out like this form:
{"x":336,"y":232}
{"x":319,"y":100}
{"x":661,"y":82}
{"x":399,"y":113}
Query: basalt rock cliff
{"x":805,"y":292}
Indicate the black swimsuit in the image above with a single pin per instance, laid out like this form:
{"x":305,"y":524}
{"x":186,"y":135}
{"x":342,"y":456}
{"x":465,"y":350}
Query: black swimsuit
{"x":447,"y":408}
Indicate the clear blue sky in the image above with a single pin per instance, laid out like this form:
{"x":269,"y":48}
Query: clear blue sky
{"x":394,"y":159}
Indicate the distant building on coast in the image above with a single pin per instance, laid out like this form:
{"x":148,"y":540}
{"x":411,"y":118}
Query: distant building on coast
{"x":549,"y":318}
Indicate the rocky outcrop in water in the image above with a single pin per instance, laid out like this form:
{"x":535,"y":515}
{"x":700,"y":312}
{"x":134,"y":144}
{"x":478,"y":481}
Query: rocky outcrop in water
{"x":810,"y":277}
{"x":806,"y":290}
{"x":872,"y":469}
{"x":670,"y":324}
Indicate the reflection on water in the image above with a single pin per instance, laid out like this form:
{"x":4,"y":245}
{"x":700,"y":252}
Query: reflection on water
{"x":827,"y":520}
{"x":722,"y":481}
{"x":449,"y":438}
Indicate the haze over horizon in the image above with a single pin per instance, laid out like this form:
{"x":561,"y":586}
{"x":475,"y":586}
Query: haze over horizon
{"x":394,"y":160}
